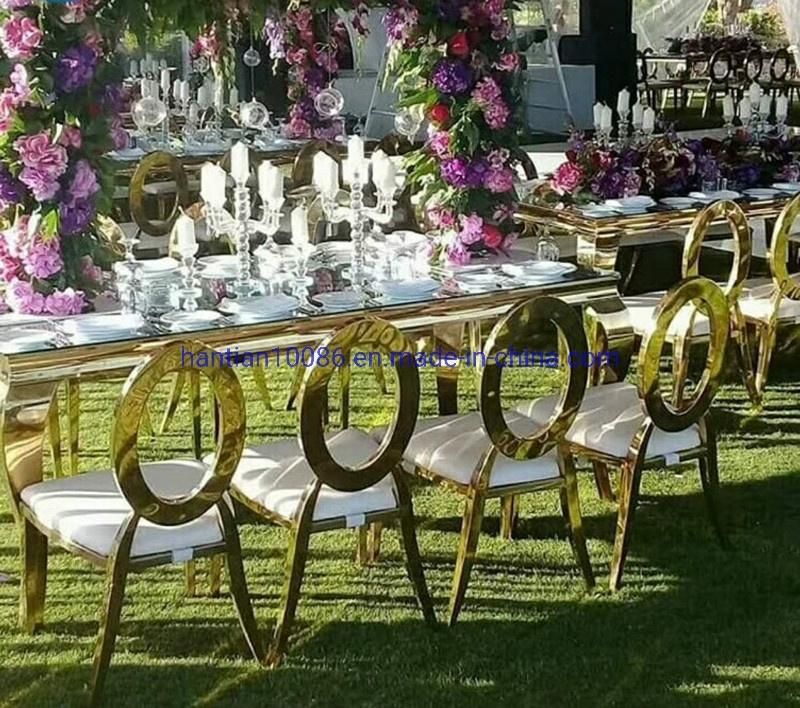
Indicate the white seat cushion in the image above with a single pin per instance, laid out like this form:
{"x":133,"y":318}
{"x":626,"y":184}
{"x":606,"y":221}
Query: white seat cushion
{"x":276,"y":475}
{"x":756,"y":303}
{"x":608,"y":420}
{"x":451,"y":446}
{"x":641,"y":309}
{"x":88,"y":509}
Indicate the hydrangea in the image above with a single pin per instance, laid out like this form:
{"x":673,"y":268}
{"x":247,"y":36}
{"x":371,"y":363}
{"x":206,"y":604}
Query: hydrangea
{"x":11,"y":190}
{"x":42,"y":258}
{"x":75,"y":69}
{"x":452,"y":76}
{"x":23,"y":299}
{"x":63,"y":303}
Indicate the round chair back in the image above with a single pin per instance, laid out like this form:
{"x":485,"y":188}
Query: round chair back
{"x":158,"y":164}
{"x":516,"y":332}
{"x":779,"y":250}
{"x":176,"y":358}
{"x":378,"y":338}
{"x":720,"y":66}
{"x":707,"y":296}
{"x":753,"y":64}
{"x":742,"y":243}
{"x":780,"y":65}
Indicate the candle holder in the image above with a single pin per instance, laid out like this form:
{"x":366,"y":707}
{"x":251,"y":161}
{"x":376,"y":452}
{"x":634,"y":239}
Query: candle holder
{"x":623,"y":127}
{"x":190,"y":293}
{"x":729,"y":127}
{"x":128,"y":280}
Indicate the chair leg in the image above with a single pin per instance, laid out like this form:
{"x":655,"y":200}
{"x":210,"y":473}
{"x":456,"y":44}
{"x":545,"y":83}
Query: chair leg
{"x":602,"y":481}
{"x":375,"y":536}
{"x":197,"y":420}
{"x":630,"y":481}
{"x":571,"y":510}
{"x":190,"y":576}
{"x":766,"y":345}
{"x":345,"y":376}
{"x":297,"y":381}
{"x":238,"y":584}
{"x":109,"y":620}
{"x":413,"y":558}
{"x":215,"y":566}
{"x":34,"y":578}
{"x":744,"y":357}
{"x":295,"y":568}
{"x":260,"y":378}
{"x":467,"y":546}
{"x":362,"y":546}
{"x":509,"y":513}
{"x":174,"y":400}
{"x":54,"y":437}
{"x":709,"y":476}
{"x":73,"y":422}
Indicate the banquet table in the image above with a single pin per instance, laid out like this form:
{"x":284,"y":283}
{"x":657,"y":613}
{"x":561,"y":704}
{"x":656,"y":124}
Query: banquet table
{"x":29,"y":380}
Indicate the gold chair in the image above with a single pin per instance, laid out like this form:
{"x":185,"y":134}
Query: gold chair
{"x":139,"y":515}
{"x":478,"y":456}
{"x":299,"y":484}
{"x":632,"y":427}
{"x":692,"y":327}
{"x":774,"y":304}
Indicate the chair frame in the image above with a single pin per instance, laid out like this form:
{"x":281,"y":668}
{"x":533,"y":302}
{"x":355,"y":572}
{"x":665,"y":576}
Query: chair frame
{"x":784,"y":287}
{"x":670,"y":417}
{"x":379,"y":335}
{"x":130,"y":409}
{"x":507,"y":335}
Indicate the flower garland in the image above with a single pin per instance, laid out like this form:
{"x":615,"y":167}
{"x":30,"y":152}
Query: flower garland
{"x":454,"y":62}
{"x":311,"y":41}
{"x":57,"y":96}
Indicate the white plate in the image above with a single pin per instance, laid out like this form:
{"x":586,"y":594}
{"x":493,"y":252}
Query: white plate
{"x":538,"y":269}
{"x":339,"y":301}
{"x":218,"y":266}
{"x":678,"y":202}
{"x":408,"y":288}
{"x":761,"y":194}
{"x":159,"y":266}
{"x":266,"y":305}
{"x":103,"y":325}
{"x":186,"y":321}
{"x":406,"y":240}
{"x":25,"y":340}
{"x":639,"y":203}
{"x":789,"y":187}
{"x":715,"y":196}
{"x":599,"y":211}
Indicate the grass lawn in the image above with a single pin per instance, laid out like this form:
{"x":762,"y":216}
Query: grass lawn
{"x":694,"y":625}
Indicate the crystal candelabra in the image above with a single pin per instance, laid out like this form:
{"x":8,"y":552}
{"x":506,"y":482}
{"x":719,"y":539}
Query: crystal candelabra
{"x":190,"y":293}
{"x":623,"y":128}
{"x":242,"y":226}
{"x":357,"y":214}
{"x":129,"y":275}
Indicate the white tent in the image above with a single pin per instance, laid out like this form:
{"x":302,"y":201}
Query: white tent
{"x":790,"y":11}
{"x":668,"y":18}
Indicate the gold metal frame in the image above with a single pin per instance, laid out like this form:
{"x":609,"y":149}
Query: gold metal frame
{"x":375,"y":335}
{"x":145,"y":504}
{"x":158,"y":162}
{"x":515,"y":330}
{"x":671,"y":417}
{"x":784,"y":286}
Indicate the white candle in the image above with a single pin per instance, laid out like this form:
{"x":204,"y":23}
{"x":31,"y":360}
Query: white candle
{"x":607,"y":118}
{"x":213,"y":181}
{"x":185,"y":238}
{"x":186,"y":91}
{"x":194,"y":112}
{"x":176,"y":89}
{"x":326,"y":174}
{"x":728,"y":108}
{"x":638,"y":115}
{"x":144,"y":88}
{"x":765,"y":105}
{"x":755,"y":94}
{"x":384,"y":173}
{"x":623,"y":101}
{"x":649,"y":120}
{"x":134,"y":68}
{"x":219,"y":96}
{"x":270,"y":184}
{"x":598,"y":114}
{"x":745,"y":110}
{"x":240,"y":163}
{"x":162,"y":64}
{"x":300,"y":226}
{"x":781,"y":108}
{"x":166,"y":83}
{"x":234,"y":97}
{"x":355,"y":149}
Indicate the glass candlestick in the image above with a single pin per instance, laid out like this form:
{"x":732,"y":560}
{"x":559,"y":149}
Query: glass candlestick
{"x":245,"y":285}
{"x":190,"y":293}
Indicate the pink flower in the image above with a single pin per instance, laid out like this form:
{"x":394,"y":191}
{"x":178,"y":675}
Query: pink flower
{"x":43,"y":258}
{"x":8,"y":110}
{"x":441,"y":218}
{"x":91,"y":273}
{"x":458,"y":255}
{"x":65,"y":302}
{"x":499,"y":180}
{"x":71,"y":137}
{"x":10,"y":266}
{"x":471,"y":229}
{"x":439,"y":143}
{"x":23,"y":299}
{"x":15,"y":4}
{"x":94,"y":40}
{"x":119,"y":136}
{"x":21,"y":84}
{"x":492,"y":236}
{"x":508,"y":62}
{"x":20,"y":37}
{"x":568,"y":178}
{"x":75,"y":11}
{"x":489,"y":97}
{"x":40,"y":153}
{"x":84,"y":182}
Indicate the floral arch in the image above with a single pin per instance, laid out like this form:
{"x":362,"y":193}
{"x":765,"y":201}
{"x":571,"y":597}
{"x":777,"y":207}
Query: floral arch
{"x":60,"y":98}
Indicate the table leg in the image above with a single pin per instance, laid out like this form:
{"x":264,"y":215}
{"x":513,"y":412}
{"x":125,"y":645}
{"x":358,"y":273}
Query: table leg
{"x":610,"y":338}
{"x":447,"y":339}
{"x":598,"y":252}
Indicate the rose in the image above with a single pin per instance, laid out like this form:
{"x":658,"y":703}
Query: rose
{"x":567,"y":178}
{"x":440,"y":114}
{"x":20,"y":37}
{"x":492,"y":236}
{"x":459,"y":46}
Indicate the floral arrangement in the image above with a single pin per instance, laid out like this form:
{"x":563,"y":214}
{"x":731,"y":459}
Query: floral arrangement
{"x":454,"y":63}
{"x":668,"y":166}
{"x":710,"y":43}
{"x":311,"y":39}
{"x":58,"y":105}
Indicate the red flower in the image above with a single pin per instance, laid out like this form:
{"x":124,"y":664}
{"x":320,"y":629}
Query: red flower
{"x":459,"y":46}
{"x":492,"y":236}
{"x":440,"y":114}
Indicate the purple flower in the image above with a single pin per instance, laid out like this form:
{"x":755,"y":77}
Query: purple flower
{"x":452,"y":76}
{"x":456,"y":172}
{"x":43,"y":258}
{"x":439,"y":143}
{"x":471,"y":229}
{"x":23,"y":299}
{"x":457,"y":254}
{"x":41,"y":184}
{"x":499,"y":180}
{"x":11,"y":190}
{"x":84,"y":183}
{"x":609,"y":185}
{"x":10,"y":265}
{"x":40,"y":153}
{"x":76,"y":216}
{"x":400,"y":22}
{"x":65,"y":302}
{"x":20,"y":84}
{"x":15,"y":4}
{"x":450,"y":10}
{"x":75,"y":69}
